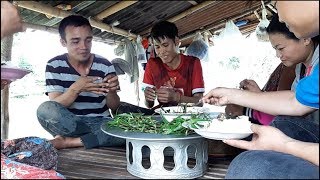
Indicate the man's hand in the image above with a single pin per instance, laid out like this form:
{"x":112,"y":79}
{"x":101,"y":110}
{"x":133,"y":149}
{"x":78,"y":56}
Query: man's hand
{"x":111,"y":83}
{"x":87,"y":84}
{"x":250,"y":85}
{"x":234,"y":110}
{"x":10,"y":19}
{"x":150,"y":94}
{"x":264,"y":138}
{"x":167,"y":95}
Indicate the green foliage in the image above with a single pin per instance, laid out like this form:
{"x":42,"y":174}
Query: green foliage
{"x":137,"y":122}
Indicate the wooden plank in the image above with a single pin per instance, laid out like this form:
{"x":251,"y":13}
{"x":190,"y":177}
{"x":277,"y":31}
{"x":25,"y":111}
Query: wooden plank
{"x":113,"y":9}
{"x":105,"y":163}
{"x":193,"y":2}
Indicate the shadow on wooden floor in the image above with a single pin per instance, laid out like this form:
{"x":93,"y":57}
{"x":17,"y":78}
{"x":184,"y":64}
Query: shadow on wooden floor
{"x":111,"y":163}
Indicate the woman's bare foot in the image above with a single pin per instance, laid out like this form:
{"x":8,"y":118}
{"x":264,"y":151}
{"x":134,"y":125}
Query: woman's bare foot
{"x":60,"y":142}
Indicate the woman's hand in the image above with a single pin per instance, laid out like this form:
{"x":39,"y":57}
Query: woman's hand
{"x":218,"y":96}
{"x":264,"y":138}
{"x":167,"y":95}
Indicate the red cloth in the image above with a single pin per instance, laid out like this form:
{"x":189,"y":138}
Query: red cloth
{"x":188,"y":75}
{"x":15,"y":170}
{"x":145,"y":43}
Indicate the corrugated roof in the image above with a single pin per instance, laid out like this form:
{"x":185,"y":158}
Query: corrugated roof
{"x":139,"y":17}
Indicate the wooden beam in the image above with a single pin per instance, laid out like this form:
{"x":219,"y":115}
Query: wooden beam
{"x":272,"y":8}
{"x":113,"y":9}
{"x":190,"y":11}
{"x":43,"y":8}
{"x":41,"y":28}
{"x":183,"y":14}
{"x":56,"y":31}
{"x":110,"y":29}
{"x":193,"y":2}
{"x":55,"y":12}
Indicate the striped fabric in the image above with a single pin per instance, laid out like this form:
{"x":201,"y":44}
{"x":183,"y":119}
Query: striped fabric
{"x":60,"y":75}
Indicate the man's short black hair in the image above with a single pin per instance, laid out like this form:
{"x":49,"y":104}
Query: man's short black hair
{"x":164,"y":29}
{"x":72,"y":20}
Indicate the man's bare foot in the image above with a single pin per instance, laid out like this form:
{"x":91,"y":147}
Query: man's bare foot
{"x":60,"y":142}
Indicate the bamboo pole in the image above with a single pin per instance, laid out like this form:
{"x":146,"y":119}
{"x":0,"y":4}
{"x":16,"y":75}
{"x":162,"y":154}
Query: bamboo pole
{"x":113,"y":9}
{"x":55,"y":12}
{"x":110,"y":29}
{"x":5,"y":112}
{"x":55,"y":31}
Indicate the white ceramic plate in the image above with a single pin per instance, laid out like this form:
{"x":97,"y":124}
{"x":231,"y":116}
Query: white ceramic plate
{"x":169,"y":113}
{"x":226,"y":129}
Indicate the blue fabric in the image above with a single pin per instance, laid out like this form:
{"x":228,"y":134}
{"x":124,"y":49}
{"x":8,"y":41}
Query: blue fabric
{"x":58,"y":120}
{"x":270,"y":165}
{"x":307,"y":91}
{"x":276,"y":165}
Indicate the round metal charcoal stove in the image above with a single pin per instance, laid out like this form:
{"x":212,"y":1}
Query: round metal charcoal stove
{"x":154,"y":156}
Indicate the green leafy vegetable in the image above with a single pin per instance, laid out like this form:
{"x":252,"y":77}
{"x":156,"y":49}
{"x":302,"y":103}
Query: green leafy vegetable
{"x":137,"y":122}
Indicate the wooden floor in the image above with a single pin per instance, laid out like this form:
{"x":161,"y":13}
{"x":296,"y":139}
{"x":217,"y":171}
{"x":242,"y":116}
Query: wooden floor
{"x":111,"y":163}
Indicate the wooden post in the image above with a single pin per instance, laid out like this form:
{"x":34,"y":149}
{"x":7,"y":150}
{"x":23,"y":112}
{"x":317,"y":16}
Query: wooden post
{"x":6,"y":47}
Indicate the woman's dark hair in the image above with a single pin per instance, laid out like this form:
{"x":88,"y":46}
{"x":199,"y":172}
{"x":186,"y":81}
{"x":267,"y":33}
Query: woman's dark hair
{"x":164,"y":29}
{"x":72,"y":20}
{"x":276,"y":26}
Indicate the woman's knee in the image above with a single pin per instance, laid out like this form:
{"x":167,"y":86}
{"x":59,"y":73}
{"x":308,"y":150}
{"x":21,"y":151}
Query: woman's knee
{"x":245,"y":164}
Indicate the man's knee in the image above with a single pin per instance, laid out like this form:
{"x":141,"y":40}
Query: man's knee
{"x":48,"y":110}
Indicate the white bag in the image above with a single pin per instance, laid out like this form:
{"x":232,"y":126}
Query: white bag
{"x":261,"y":30}
{"x":231,"y":31}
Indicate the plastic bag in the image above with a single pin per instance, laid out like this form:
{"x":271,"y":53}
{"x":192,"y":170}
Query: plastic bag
{"x":141,"y":55}
{"x":198,"y":48}
{"x":119,"y":51}
{"x":261,"y":30}
{"x":230,"y":32}
{"x":131,"y":58}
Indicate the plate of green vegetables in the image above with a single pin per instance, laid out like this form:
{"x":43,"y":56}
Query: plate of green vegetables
{"x":139,"y":126}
